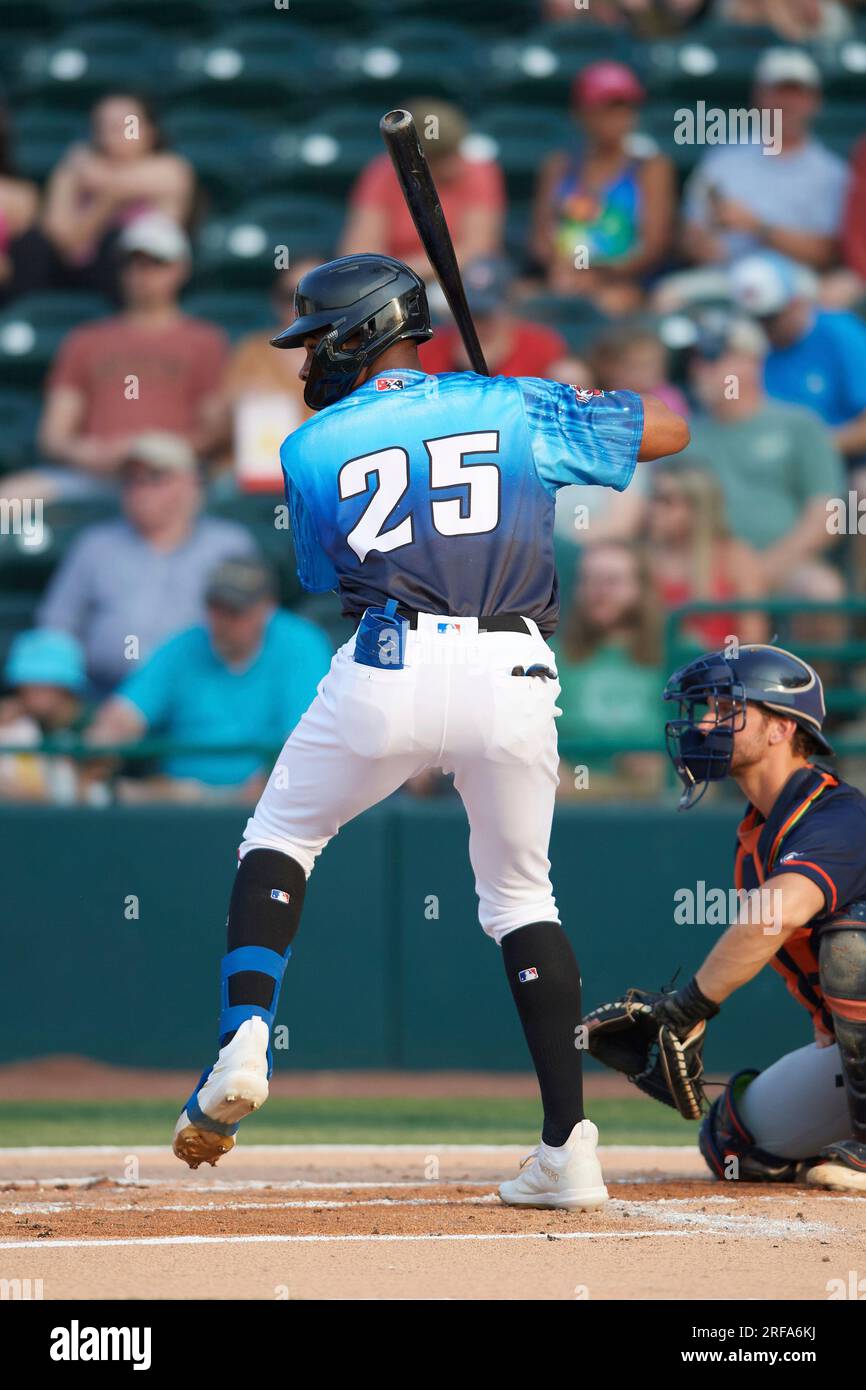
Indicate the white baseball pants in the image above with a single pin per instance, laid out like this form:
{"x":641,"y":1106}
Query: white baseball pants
{"x":456,"y":706}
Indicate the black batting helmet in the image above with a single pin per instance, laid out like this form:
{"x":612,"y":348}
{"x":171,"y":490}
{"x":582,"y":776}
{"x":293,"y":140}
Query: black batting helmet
{"x":767,"y":676}
{"x":372,"y":298}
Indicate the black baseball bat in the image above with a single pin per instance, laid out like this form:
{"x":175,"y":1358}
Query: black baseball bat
{"x":416,"y":181}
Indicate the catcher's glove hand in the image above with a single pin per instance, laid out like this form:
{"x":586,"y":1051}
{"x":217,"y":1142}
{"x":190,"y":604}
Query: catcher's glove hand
{"x":658,"y":1041}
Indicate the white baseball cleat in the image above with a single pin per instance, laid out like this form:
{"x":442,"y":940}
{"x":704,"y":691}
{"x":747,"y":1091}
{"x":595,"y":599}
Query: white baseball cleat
{"x":569,"y":1176}
{"x":236,"y":1085}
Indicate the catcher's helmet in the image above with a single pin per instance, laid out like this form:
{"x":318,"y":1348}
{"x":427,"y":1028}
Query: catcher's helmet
{"x":374,"y":299}
{"x":768,"y":676}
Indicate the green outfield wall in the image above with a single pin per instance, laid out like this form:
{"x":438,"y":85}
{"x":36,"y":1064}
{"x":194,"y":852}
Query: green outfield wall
{"x":113,"y":924}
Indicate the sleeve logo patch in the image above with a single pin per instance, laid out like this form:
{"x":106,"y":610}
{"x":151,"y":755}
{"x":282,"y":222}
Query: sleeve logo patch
{"x":585,"y":394}
{"x":280,"y":896}
{"x":389,"y":383}
{"x":524,"y":976}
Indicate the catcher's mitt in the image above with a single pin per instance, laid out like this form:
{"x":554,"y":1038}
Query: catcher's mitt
{"x":657,"y":1039}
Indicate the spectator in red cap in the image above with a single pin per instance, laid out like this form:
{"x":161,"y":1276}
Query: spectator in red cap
{"x":604,"y":211}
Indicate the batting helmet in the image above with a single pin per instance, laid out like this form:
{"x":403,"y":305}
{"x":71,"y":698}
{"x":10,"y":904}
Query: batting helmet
{"x":767,"y":676}
{"x":373,"y":300}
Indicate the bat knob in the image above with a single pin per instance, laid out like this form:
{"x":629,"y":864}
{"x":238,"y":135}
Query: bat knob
{"x":395,"y":120}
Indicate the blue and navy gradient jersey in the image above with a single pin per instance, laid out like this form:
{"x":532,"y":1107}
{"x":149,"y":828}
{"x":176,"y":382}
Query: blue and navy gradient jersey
{"x":817,"y":827}
{"x":439,"y":491}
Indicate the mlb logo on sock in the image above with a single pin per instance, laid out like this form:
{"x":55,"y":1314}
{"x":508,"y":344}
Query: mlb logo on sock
{"x":280,"y":897}
{"x":525,"y":975}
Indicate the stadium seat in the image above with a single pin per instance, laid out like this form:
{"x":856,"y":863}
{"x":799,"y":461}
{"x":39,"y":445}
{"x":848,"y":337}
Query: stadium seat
{"x":89,"y":59}
{"x":19,"y":417}
{"x":236,"y":313}
{"x":18,"y":24}
{"x":240,"y":250}
{"x":180,"y":15}
{"x":504,"y":16}
{"x":42,"y":134}
{"x":411,"y":58}
{"x":324,"y":156}
{"x":658,"y":121}
{"x":330,"y":19}
{"x":220,"y":146}
{"x":25,"y":567}
{"x":32,"y":329}
{"x":538,"y":68}
{"x":521,"y":138}
{"x":843,"y":66}
{"x":254,"y":66}
{"x":578,"y":320}
{"x":840,"y":125}
{"x":518,"y":223}
{"x":257,"y":513}
{"x":712,"y":62}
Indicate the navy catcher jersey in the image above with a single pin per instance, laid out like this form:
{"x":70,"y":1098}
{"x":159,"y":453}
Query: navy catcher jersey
{"x":439,"y":491}
{"x":817,"y":828}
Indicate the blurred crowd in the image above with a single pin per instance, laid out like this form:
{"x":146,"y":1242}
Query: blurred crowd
{"x":738,"y":298}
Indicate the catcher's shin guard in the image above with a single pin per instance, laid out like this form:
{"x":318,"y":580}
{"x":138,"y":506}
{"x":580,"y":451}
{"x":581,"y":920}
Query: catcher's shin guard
{"x":842,"y":965}
{"x":729,"y":1149}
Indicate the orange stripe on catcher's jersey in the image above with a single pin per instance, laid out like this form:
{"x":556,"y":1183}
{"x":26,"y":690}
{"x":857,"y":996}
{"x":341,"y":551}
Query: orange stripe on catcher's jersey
{"x":853,"y":1009}
{"x":796,"y":962}
{"x":827,"y":780}
{"x":808,"y":864}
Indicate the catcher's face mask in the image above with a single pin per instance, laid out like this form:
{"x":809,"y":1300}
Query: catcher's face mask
{"x":700,"y":743}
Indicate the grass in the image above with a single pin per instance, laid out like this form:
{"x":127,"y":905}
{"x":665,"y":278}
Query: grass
{"x":401,"y":1120}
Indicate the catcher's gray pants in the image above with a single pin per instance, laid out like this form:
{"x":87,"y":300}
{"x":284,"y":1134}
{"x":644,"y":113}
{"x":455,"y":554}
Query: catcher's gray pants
{"x":799,"y":1104}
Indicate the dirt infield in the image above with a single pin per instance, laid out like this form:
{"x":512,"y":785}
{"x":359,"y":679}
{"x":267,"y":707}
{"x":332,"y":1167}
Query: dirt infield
{"x":403,"y":1222}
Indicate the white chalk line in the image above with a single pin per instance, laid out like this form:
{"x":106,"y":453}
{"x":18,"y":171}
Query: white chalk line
{"x":309,"y":1204}
{"x":333,"y":1239}
{"x":726,"y":1223}
{"x":101,"y":1180}
{"x":670,"y":1212}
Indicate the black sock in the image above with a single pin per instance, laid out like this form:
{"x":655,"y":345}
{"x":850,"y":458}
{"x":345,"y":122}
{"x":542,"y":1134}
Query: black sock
{"x":258,"y":919}
{"x":548,"y":1001}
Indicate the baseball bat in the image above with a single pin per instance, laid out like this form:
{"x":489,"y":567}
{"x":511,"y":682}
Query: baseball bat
{"x":416,"y":181}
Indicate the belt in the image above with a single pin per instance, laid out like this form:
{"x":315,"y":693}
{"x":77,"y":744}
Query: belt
{"x":493,"y":622}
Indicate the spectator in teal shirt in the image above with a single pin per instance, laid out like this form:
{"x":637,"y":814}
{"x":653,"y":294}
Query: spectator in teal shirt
{"x":245,"y":676}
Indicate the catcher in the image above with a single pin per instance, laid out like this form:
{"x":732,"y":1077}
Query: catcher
{"x":758,"y":718}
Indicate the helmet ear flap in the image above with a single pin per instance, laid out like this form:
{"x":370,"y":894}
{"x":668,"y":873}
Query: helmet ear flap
{"x":332,"y":374}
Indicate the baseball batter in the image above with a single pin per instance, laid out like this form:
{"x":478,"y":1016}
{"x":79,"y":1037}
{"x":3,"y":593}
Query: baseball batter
{"x":428,"y":503}
{"x":801,"y":852}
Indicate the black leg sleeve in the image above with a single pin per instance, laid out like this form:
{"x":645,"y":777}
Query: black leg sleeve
{"x":265,"y":910}
{"x":545,"y":981}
